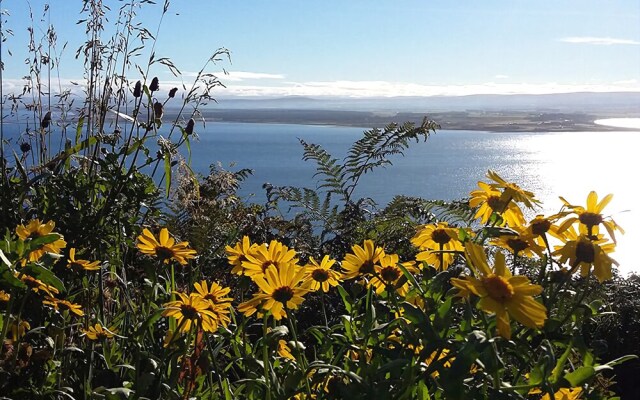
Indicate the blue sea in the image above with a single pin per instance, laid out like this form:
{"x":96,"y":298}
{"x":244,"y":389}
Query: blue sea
{"x":445,"y":167}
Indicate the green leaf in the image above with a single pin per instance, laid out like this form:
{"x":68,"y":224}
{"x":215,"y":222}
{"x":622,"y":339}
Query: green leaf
{"x":622,"y":359}
{"x":559,"y":368}
{"x":580,"y":376}
{"x":44,"y":275}
{"x":167,"y":172}
{"x":346,"y":299}
{"x":79,"y":128}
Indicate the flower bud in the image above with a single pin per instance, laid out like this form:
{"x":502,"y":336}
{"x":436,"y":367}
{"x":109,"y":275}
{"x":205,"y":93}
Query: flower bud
{"x":158,"y":110}
{"x":46,"y":120}
{"x":154,"y":85}
{"x":189,"y":129}
{"x":172,"y":92}
{"x":137,"y":90}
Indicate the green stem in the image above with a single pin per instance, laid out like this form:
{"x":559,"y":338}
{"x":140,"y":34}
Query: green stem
{"x":265,"y":357}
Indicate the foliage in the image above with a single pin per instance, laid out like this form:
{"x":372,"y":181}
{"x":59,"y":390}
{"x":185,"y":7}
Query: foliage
{"x":124,"y":275}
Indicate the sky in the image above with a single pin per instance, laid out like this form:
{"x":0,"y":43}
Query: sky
{"x":359,"y":48}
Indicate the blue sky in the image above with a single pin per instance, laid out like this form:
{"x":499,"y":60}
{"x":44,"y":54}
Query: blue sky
{"x":376,"y":48}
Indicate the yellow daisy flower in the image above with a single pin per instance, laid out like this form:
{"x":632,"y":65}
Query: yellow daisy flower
{"x":489,"y":200}
{"x":521,"y":243}
{"x":35,"y":229}
{"x":560,"y":394}
{"x":501,"y":293}
{"x":275,"y":254}
{"x":4,"y":296}
{"x":362,"y":261}
{"x":437,"y":237}
{"x":320,"y":275}
{"x":37,"y":285}
{"x":388,"y":274}
{"x":165,"y":247}
{"x":591,"y":216}
{"x":219,"y":304}
{"x":238,"y":254}
{"x":282,"y":290}
{"x":511,"y":191}
{"x":583,"y":251}
{"x":61,"y":305}
{"x":191,"y":310}
{"x":540,"y":226}
{"x":99,"y":333}
{"x":81,"y":264}
{"x":284,"y":350}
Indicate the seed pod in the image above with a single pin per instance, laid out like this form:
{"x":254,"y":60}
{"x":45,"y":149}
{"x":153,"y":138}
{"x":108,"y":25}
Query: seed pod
{"x":25,"y":147}
{"x":154,"y":85}
{"x":46,"y":120}
{"x":137,"y":90}
{"x":172,"y":92}
{"x":189,"y":129}
{"x":158,"y":110}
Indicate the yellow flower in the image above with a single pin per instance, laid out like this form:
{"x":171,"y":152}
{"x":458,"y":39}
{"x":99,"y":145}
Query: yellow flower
{"x":585,"y":252}
{"x":37,"y":285}
{"x":501,"y":293}
{"x":444,"y":355}
{"x":61,"y":305}
{"x":388,"y":274}
{"x":238,"y":254}
{"x":165,"y":247}
{"x":18,"y":330}
{"x":511,"y":191}
{"x":439,"y":238}
{"x":320,"y":275}
{"x":282,"y":290}
{"x":540,"y":225}
{"x":275,"y":254}
{"x":36,"y":229}
{"x":521,"y":243}
{"x":560,"y":394}
{"x":98,"y":333}
{"x":191,"y":310}
{"x":362,"y":261}
{"x":215,"y":295}
{"x":4,"y":296}
{"x":81,"y":264}
{"x":284,"y":350}
{"x":591,"y":216}
{"x":489,"y":201}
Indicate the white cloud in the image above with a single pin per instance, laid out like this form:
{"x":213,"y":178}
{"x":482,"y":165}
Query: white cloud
{"x":602,"y":41}
{"x":392,"y":89}
{"x":500,"y":76}
{"x":358,"y":89}
{"x":237,"y":76}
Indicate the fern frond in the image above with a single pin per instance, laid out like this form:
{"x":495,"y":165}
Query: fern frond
{"x":329,"y":170}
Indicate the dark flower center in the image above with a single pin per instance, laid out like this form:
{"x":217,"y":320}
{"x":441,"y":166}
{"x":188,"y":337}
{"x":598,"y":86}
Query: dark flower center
{"x":265,"y":265}
{"x":76,"y":265}
{"x":389,"y":274}
{"x":440,"y":236}
{"x":33,"y":235}
{"x":164,"y":253}
{"x":517,"y":245}
{"x":320,"y":275}
{"x":498,"y":288}
{"x":212,"y":297}
{"x":282,"y":294}
{"x":590,"y":219}
{"x":540,"y":227}
{"x":495,"y":203}
{"x":585,"y":252}
{"x":366,"y":267}
{"x":189,"y":311}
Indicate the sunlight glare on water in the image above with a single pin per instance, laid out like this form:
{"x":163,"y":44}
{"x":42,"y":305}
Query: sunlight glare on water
{"x":571,"y":164}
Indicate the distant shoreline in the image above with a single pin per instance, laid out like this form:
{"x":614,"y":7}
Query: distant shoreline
{"x":488,"y":121}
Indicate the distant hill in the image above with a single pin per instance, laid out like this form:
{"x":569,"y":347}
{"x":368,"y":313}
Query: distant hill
{"x":618,"y":103}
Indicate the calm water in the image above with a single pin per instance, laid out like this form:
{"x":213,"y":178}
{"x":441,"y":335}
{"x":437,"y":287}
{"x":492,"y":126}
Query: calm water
{"x":447,"y":166}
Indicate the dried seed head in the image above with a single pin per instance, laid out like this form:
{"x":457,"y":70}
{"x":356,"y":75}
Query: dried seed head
{"x":172,"y":92}
{"x":25,"y":147}
{"x":189,"y":128}
{"x":46,"y":120}
{"x":137,"y":90}
{"x":158,"y":110}
{"x":154,"y":85}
